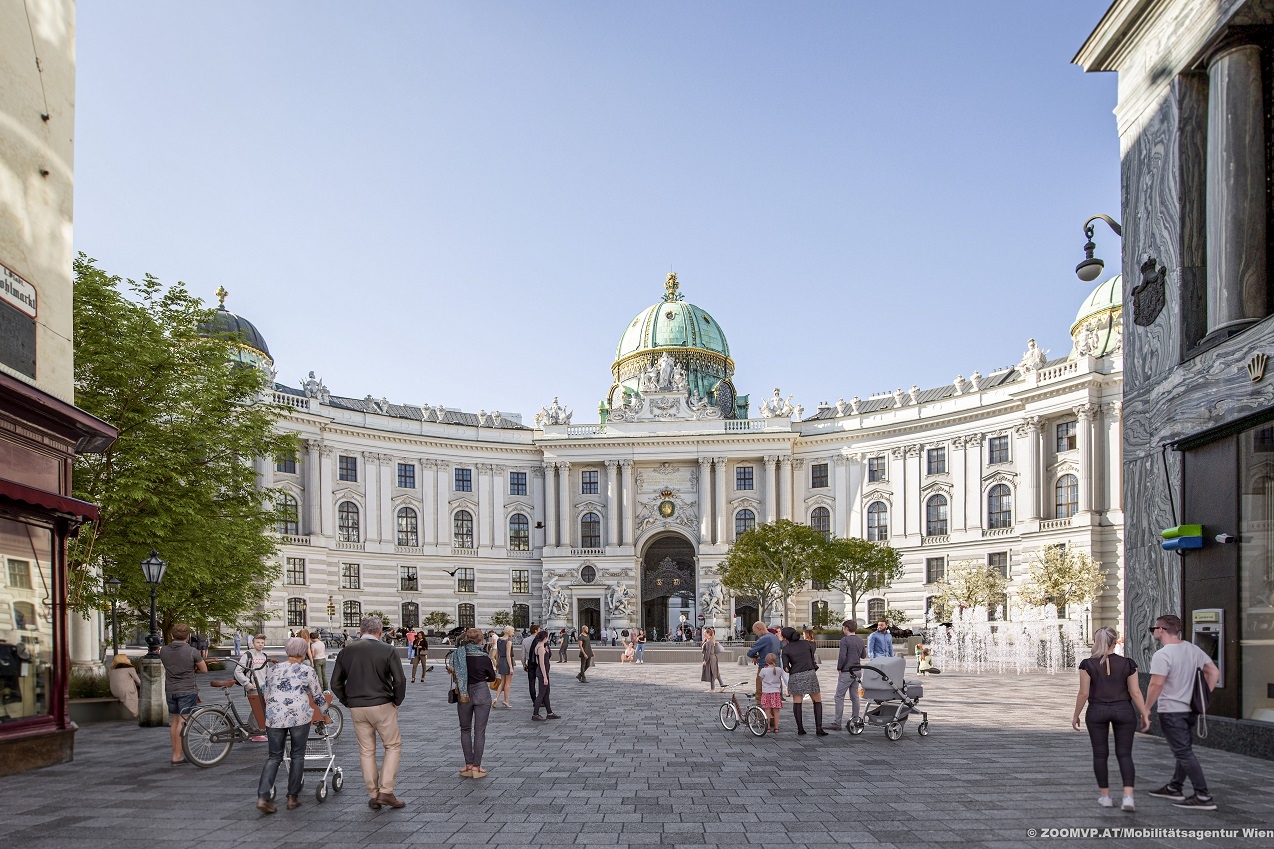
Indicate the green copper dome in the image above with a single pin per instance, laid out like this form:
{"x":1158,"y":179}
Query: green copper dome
{"x":672,"y":324}
{"x":1098,"y":327}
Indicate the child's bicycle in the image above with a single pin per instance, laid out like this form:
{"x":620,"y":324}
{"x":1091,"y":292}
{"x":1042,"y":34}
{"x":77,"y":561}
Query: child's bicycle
{"x":732,"y":713}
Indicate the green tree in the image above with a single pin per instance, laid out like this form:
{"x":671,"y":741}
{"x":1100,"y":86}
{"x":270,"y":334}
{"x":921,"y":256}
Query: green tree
{"x":180,"y":478}
{"x":773,"y":561}
{"x":858,"y":568}
{"x":1062,"y":576}
{"x":439,"y":619}
{"x":383,"y":617}
{"x":501,"y":618}
{"x":970,"y":583}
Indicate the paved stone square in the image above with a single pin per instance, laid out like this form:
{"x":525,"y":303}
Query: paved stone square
{"x":639,"y":760}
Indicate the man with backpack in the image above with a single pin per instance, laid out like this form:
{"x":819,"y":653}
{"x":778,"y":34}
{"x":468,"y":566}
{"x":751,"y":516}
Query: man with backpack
{"x":1173,"y":671}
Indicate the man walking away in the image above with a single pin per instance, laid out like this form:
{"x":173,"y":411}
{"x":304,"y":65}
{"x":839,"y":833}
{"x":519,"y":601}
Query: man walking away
{"x":852,"y":652}
{"x":585,"y":654}
{"x":766,"y":643}
{"x":880,"y":643}
{"x":181,"y":661}
{"x":368,"y":679}
{"x":527,"y":642}
{"x":562,"y":647}
{"x":1172,"y":672}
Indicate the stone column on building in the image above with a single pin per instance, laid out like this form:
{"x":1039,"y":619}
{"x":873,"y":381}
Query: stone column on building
{"x":429,"y":513}
{"x":960,"y":489}
{"x":550,"y":504}
{"x":482,"y":536}
{"x":327,"y":510}
{"x":853,"y":496}
{"x":499,"y":494}
{"x":84,"y":649}
{"x":630,"y":499}
{"x":444,"y":503}
{"x":564,"y":504}
{"x":1028,"y":434}
{"x":1236,"y":203}
{"x":1112,"y":416}
{"x":718,"y":500}
{"x":911,"y":473}
{"x":704,"y":495}
{"x":785,"y":488}
{"x":612,"y":503}
{"x":369,"y":476}
{"x":313,"y":516}
{"x":389,"y":516}
{"x":538,"y":505}
{"x":1084,"y":415}
{"x":840,"y":520}
{"x":798,"y":489}
{"x":771,"y":488}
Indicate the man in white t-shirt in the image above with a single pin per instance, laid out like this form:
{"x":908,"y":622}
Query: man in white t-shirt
{"x":1172,"y":672}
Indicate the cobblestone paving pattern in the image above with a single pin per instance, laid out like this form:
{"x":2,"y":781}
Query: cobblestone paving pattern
{"x":639,"y":760}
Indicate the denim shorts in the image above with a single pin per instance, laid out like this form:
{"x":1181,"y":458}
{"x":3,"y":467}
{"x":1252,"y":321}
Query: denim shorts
{"x":182,"y":703}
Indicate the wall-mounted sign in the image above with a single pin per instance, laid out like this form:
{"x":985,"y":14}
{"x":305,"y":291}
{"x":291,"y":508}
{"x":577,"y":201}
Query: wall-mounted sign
{"x":16,"y":291}
{"x":17,"y":322}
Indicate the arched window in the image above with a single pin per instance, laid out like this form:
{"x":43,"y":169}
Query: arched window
{"x":411,"y":614}
{"x":296,"y":612}
{"x":875,"y":611}
{"x":351,"y":614}
{"x":1067,"y":491}
{"x":289,"y":516}
{"x":519,"y":533}
{"x":590,"y":531}
{"x":744,"y":521}
{"x":936,"y":516}
{"x":521,"y":616}
{"x":999,"y":507}
{"x":466,"y":616}
{"x":821,"y":521}
{"x":408,"y":533}
{"x":347,"y":522}
{"x":24,"y":616}
{"x":877,"y":521}
{"x":462,"y":530}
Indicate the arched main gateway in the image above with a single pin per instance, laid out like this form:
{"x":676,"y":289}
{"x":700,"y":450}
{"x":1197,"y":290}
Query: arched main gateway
{"x":667,"y":585}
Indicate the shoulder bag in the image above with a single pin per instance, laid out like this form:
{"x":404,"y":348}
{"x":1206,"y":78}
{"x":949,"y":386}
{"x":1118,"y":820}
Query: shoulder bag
{"x":1200,"y":701}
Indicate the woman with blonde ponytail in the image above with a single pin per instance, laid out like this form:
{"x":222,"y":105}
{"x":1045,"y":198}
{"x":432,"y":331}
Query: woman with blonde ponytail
{"x":1108,"y":683}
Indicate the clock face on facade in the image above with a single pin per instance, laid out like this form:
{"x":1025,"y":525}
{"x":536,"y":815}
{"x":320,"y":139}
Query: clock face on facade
{"x":666,"y":509}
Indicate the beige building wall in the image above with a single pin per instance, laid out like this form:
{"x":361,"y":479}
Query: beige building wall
{"x":37,"y":70}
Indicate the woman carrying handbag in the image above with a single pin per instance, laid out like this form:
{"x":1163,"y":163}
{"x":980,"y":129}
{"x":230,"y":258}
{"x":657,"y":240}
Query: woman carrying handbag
{"x":473,"y":673}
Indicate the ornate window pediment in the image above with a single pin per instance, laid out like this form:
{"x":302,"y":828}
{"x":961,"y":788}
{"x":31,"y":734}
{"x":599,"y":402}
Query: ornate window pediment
{"x":991,"y":480}
{"x":748,"y":501}
{"x":518,"y":505}
{"x":814,"y":501}
{"x":935,"y":488}
{"x":1066,"y":467}
{"x":463,"y":503}
{"x":349,"y":494}
{"x":878,"y":495}
{"x":589,"y":506}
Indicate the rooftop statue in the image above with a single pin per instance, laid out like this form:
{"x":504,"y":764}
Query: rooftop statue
{"x":666,"y":375}
{"x":1033,"y":359}
{"x":672,"y":286}
{"x":313,"y":388}
{"x":553,"y":414}
{"x":776,"y":407}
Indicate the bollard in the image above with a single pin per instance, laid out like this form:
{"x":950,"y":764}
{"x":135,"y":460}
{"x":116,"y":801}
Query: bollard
{"x":152,"y":706}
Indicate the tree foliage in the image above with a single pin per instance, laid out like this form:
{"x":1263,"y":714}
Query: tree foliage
{"x":437,"y":619}
{"x":773,"y":562}
{"x":1062,"y":576}
{"x":501,"y":618}
{"x":857,"y":568}
{"x":970,"y":583}
{"x":180,"y":478}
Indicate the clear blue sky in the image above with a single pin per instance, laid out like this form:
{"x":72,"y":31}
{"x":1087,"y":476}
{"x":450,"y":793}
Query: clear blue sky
{"x":466,"y":203}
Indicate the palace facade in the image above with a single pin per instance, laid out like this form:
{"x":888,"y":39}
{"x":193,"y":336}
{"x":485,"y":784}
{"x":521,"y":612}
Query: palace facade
{"x":407,"y":509}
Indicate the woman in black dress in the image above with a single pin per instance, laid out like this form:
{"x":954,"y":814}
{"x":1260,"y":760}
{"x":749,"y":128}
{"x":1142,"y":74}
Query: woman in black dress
{"x":801,"y":665}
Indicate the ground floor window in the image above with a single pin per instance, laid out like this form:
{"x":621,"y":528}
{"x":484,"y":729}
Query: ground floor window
{"x":521,"y":616}
{"x":296,"y":612}
{"x":352,"y":614}
{"x":411,"y":614}
{"x":875,"y":610}
{"x":466,"y":617}
{"x":26,"y":620}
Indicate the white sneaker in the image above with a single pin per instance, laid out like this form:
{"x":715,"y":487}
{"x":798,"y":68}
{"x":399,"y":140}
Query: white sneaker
{"x":1128,"y":805}
{"x":1106,"y":801}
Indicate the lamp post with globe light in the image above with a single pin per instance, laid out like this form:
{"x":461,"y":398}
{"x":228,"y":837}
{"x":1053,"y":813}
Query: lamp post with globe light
{"x":152,"y":706}
{"x":153,"y":569}
{"x":1090,"y":268}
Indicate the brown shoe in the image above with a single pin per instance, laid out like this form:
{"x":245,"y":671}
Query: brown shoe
{"x":391,"y":800}
{"x":294,"y":802}
{"x":374,"y":803}
{"x":265,"y":806}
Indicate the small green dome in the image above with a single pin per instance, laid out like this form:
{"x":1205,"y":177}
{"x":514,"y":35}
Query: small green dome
{"x":1107,"y":296}
{"x":672,"y":324}
{"x":1098,"y":327}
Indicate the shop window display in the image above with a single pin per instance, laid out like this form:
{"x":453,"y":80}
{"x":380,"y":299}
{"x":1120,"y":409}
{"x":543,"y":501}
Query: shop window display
{"x":1256,"y":573}
{"x":26,"y":629}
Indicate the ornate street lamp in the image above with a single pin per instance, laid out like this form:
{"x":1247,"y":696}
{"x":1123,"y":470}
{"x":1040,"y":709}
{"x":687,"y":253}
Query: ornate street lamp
{"x":1091,"y":267}
{"x":153,"y":569}
{"x":112,"y":592}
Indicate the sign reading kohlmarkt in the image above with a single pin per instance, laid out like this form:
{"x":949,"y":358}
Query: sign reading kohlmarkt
{"x":17,"y":322}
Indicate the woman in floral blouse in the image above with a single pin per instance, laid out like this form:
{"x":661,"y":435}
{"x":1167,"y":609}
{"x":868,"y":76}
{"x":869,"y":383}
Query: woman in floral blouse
{"x":289,"y":688}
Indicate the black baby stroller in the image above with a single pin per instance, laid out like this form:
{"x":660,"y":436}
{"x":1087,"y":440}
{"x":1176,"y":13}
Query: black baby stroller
{"x":889,"y":700}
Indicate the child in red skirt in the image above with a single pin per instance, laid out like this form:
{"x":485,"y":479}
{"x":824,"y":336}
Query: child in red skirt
{"x":772,"y":689}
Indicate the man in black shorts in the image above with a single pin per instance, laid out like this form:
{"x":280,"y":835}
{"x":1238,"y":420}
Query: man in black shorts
{"x":181,"y":661}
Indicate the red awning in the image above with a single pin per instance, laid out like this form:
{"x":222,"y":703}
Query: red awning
{"x":48,"y":500}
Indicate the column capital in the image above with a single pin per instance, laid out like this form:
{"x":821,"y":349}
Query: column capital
{"x":1114,"y":410}
{"x":498,"y":469}
{"x":1086,"y":412}
{"x":770,"y":459}
{"x":312,"y":445}
{"x":626,"y":464}
{"x":443,"y":465}
{"x":718,"y":461}
{"x":705,"y":461}
{"x":798,"y":463}
{"x":1030,"y":425}
{"x":913,"y":450}
{"x":785,"y":460}
{"x":537,"y":472}
{"x":839,"y":460}
{"x":371,"y":457}
{"x":326,"y":450}
{"x":563,"y":466}
{"x":611,"y":464}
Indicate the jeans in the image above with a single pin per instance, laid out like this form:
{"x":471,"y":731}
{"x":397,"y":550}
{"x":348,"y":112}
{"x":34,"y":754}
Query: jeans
{"x":542,"y":700}
{"x":641,"y":652}
{"x":532,"y":676}
{"x":473,"y":722}
{"x":1099,"y":719}
{"x":296,"y":771}
{"x":583,"y":665}
{"x":561,"y":652}
{"x":320,"y":666}
{"x":846,"y":682}
{"x":1176,"y":730}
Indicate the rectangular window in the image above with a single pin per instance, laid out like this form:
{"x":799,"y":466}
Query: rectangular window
{"x":998,"y":450}
{"x":406,"y":475}
{"x":351,"y":577}
{"x":936,"y":461}
{"x":521,"y":580}
{"x":465,"y":581}
{"x":464,"y":480}
{"x":352,"y":614}
{"x":743,"y":477}
{"x":818,"y":475}
{"x":296,"y":612}
{"x":1066,"y":436}
{"x":517,"y":483}
{"x":999,"y":562}
{"x":346,"y":468}
{"x":286,"y":465}
{"x":875,"y":469}
{"x":466,"y":616}
{"x":407,"y":581}
{"x":935,"y":569}
{"x":20,"y":574}
{"x":588,"y":482}
{"x":295,"y":571}
{"x":818,"y":585}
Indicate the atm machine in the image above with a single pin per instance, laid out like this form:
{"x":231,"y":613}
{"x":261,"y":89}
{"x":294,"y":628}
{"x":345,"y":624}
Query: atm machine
{"x":1207,"y":631}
